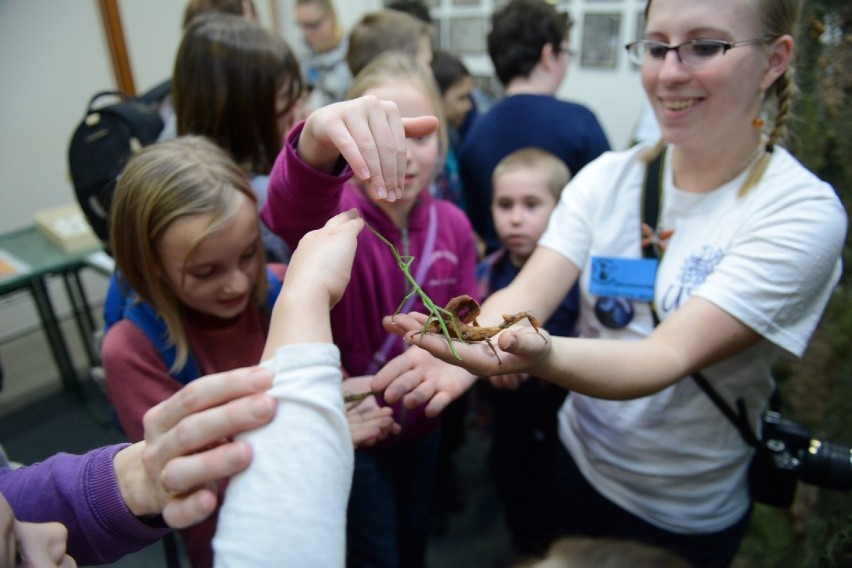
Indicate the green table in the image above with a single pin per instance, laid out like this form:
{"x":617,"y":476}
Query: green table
{"x":43,"y":260}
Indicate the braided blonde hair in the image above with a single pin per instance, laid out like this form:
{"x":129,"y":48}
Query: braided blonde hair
{"x":777,"y":18}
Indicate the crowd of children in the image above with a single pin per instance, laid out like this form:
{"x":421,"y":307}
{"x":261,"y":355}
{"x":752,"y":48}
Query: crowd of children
{"x":596,"y":427}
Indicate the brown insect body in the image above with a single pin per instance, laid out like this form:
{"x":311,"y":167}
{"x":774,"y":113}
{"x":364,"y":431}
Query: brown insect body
{"x":459,"y":317}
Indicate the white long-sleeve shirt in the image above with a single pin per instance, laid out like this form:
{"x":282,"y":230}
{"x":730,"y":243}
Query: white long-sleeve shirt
{"x":289,"y":507}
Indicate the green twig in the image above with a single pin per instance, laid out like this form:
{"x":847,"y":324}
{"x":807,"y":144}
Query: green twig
{"x":435,"y":312}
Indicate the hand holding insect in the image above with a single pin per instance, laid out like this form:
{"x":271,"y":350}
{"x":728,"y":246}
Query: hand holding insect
{"x":458,"y":316}
{"x":521,"y":350}
{"x":368,"y":422}
{"x":456,"y":322}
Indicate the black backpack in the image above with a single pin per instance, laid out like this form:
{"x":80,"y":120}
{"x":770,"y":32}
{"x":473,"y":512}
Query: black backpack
{"x":103,"y":142}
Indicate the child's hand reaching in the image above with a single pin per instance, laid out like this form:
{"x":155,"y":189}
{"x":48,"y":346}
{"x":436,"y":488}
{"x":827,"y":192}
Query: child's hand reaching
{"x":368,"y":422}
{"x":316,"y":277}
{"x":370,"y":135}
{"x":323,"y":258}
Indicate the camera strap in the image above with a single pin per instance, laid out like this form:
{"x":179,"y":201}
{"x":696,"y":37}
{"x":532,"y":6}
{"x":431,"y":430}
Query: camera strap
{"x":651,"y":200}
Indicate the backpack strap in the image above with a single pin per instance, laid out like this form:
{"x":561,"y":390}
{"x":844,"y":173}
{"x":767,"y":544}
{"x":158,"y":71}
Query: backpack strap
{"x":273,"y":288}
{"x":115,"y":301}
{"x":651,"y":190}
{"x":121,"y":302}
{"x":143,"y":315}
{"x":652,"y":187}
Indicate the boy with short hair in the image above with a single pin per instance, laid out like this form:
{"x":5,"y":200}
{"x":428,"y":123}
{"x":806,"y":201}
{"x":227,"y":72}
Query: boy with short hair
{"x":529,"y":46}
{"x":526,"y":186}
{"x":388,"y":30}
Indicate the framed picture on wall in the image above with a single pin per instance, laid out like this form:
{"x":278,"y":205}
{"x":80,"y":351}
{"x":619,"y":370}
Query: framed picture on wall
{"x":601,"y":40}
{"x":467,"y":35}
{"x":442,"y":30}
{"x":639,"y":33}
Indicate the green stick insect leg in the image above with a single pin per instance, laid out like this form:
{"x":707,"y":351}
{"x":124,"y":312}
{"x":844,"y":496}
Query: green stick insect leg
{"x":404,"y":264}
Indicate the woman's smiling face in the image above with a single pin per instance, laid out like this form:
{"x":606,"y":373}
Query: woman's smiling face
{"x":707,"y":104}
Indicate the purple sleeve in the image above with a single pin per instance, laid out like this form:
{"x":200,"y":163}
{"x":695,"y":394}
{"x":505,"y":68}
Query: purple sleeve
{"x":300,"y":198}
{"x":81,"y":492}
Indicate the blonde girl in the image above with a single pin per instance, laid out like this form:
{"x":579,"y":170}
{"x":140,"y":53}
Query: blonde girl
{"x":187,"y":246}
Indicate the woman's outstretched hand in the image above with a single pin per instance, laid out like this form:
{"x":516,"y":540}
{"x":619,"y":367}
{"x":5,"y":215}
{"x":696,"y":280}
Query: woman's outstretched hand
{"x":521,"y":349}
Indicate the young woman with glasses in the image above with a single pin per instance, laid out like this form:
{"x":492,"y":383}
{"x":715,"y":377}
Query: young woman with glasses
{"x":748,"y":245}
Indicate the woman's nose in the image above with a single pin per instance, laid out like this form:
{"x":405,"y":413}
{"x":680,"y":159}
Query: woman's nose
{"x":672,"y":68}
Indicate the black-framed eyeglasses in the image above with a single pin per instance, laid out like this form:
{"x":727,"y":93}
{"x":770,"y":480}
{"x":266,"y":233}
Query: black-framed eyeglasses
{"x":696,"y":52}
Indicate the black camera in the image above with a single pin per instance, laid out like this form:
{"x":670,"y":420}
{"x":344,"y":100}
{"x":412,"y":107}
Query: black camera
{"x":790,"y":453}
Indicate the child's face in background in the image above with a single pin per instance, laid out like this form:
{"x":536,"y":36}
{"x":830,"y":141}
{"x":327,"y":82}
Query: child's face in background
{"x":317,"y":27}
{"x":421,"y":164}
{"x":521,"y":206}
{"x":457,"y":103}
{"x":217,"y":279}
{"x":31,"y":544}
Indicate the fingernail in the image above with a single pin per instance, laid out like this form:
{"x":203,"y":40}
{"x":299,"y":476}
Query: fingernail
{"x":382,"y":192}
{"x":261,"y":407}
{"x":365,"y":174}
{"x":237,"y":453}
{"x":261,"y":379}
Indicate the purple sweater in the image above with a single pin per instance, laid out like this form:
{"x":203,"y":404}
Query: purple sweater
{"x":81,"y":492}
{"x":301,"y":199}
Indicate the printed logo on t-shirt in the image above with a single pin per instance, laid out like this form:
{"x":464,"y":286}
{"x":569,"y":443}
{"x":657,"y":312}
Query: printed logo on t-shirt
{"x":694,"y":271}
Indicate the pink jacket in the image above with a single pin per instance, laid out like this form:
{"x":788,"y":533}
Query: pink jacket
{"x":301,"y":199}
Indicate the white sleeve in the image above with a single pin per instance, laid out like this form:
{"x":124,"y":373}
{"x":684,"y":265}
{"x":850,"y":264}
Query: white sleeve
{"x":289,"y":507}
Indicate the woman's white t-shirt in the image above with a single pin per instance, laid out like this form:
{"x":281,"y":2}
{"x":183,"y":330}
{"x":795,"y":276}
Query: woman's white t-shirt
{"x":770,"y":258}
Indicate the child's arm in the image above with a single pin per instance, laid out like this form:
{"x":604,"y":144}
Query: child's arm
{"x":370,"y":135}
{"x":316,"y":277}
{"x":289,"y":507}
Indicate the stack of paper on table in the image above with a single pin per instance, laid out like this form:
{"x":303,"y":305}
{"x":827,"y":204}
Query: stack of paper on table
{"x":67,"y":228}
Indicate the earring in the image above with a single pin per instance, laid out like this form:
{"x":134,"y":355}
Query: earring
{"x":758,"y":122}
